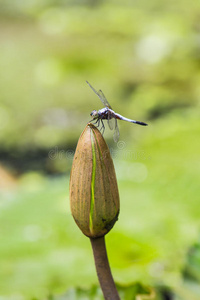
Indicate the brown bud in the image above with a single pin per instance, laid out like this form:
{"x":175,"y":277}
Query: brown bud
{"x":94,"y":197}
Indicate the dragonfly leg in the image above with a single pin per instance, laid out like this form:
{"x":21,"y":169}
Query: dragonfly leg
{"x":102,"y":126}
{"x":97,"y":121}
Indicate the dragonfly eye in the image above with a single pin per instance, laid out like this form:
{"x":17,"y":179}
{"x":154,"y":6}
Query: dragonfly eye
{"x":94,"y":113}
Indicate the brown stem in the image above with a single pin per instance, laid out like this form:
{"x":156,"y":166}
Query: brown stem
{"x":103,"y":269}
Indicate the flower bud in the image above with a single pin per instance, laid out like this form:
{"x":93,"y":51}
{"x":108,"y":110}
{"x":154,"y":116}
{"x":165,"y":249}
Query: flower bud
{"x":94,"y":197}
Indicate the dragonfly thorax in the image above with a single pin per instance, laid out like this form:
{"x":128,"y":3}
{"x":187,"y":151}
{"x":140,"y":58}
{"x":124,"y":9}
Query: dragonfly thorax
{"x":103,"y":111}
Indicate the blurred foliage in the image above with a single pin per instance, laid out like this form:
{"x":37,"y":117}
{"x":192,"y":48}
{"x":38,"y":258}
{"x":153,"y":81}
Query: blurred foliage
{"x":191,"y":273}
{"x":145,"y":56}
{"x":125,"y":293}
{"x":192,"y":267}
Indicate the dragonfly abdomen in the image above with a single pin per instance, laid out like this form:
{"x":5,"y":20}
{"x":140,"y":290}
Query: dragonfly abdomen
{"x":119,"y":117}
{"x":141,"y":123}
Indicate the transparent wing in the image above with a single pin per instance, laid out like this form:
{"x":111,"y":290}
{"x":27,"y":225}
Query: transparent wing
{"x":103,"y":99}
{"x":111,"y":123}
{"x":116,"y":132}
{"x":101,"y":96}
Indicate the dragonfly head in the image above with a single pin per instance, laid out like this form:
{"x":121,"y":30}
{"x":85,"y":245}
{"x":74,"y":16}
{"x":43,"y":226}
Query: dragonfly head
{"x":94,"y":114}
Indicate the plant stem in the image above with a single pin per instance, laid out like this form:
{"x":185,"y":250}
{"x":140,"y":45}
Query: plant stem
{"x":103,"y":269}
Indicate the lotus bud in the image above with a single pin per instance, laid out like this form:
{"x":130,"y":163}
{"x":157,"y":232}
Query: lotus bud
{"x":94,"y":197}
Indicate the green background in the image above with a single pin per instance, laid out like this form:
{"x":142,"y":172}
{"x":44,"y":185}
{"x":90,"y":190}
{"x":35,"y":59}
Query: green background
{"x":145,"y":56}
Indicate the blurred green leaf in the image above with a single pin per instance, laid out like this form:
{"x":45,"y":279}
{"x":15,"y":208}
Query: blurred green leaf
{"x":132,"y":292}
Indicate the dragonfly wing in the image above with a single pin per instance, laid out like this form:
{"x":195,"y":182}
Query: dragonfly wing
{"x":103,"y":99}
{"x":116,"y":132}
{"x":111,"y":123}
{"x":92,"y":88}
{"x":101,"y":96}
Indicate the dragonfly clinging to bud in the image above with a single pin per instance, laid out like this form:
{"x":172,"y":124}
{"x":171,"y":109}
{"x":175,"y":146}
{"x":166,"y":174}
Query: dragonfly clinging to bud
{"x":108,"y":114}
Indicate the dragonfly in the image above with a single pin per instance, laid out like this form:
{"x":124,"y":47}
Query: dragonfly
{"x":107,"y":113}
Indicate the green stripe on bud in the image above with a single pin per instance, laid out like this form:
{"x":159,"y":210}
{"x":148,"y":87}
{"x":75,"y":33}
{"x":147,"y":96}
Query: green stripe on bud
{"x":92,"y":185}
